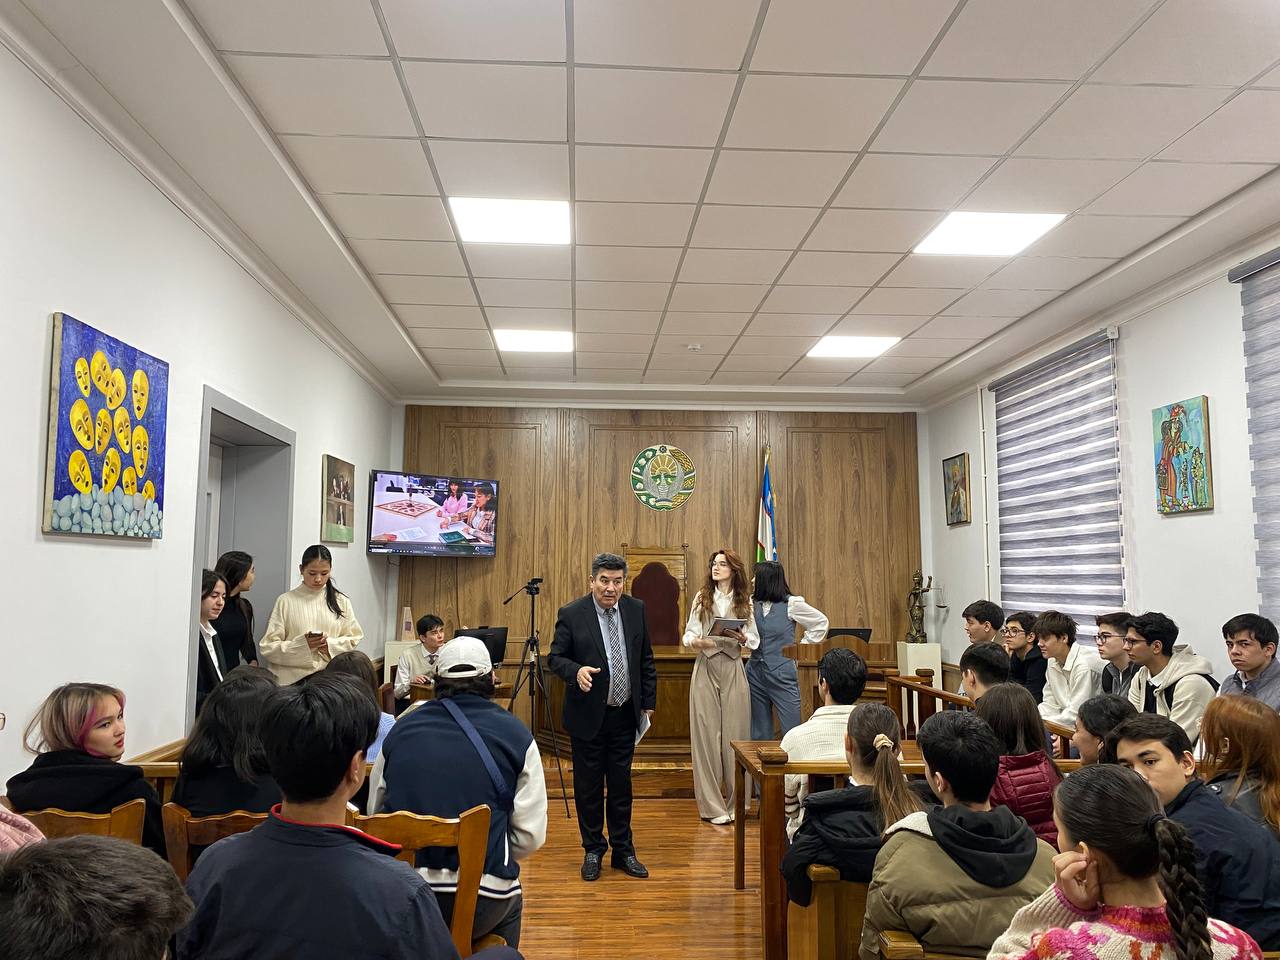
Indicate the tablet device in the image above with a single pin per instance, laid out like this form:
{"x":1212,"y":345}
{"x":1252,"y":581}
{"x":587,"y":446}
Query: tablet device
{"x":721,"y":624}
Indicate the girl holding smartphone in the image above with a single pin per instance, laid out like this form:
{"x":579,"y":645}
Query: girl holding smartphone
{"x":311,"y":624}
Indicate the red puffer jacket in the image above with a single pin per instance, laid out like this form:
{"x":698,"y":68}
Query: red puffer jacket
{"x":1025,"y":785}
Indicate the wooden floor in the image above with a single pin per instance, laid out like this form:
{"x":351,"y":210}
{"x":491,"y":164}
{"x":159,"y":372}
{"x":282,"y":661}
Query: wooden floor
{"x":687,"y":909}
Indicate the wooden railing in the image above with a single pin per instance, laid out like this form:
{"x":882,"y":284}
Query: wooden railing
{"x":163,"y":775}
{"x":914,"y":699}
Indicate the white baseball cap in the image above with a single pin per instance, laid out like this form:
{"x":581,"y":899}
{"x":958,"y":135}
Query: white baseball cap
{"x":463,"y":657}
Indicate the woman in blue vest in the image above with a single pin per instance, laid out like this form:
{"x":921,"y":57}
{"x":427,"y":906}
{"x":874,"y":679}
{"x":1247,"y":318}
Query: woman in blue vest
{"x":770,"y":674}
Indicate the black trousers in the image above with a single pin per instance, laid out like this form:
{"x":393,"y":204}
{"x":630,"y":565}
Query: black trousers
{"x":603,"y":762}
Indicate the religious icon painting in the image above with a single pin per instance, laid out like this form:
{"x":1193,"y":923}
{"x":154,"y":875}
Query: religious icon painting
{"x":1184,"y":471}
{"x":663,"y":477}
{"x":955,"y":489}
{"x":338,"y":522}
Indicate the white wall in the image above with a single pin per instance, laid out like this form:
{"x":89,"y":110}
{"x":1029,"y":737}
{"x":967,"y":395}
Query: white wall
{"x":83,"y":232}
{"x":1197,"y":568}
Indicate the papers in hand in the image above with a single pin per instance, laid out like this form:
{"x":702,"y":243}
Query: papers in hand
{"x":721,"y":624}
{"x":643,"y":728}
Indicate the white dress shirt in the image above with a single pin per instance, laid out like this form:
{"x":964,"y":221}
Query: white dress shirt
{"x":813,"y":620}
{"x":207,"y":633}
{"x":721,"y":607}
{"x":1068,"y":685}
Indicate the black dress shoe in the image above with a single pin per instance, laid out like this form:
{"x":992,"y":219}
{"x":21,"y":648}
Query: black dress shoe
{"x":630,"y":866}
{"x":591,"y":867}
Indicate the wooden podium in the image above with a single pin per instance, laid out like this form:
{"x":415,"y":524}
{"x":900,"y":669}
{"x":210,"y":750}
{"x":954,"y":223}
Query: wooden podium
{"x":807,"y":655}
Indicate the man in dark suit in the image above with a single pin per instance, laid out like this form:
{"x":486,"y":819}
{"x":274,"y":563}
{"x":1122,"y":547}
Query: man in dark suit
{"x":601,"y":650}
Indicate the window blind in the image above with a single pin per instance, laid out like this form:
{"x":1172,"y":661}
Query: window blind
{"x":1260,"y":298}
{"x":1058,"y":485}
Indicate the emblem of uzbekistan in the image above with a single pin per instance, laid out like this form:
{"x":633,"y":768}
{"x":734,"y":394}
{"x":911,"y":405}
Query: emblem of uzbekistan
{"x":663,"y":477}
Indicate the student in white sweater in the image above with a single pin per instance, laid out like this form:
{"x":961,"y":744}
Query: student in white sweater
{"x":420,"y":664}
{"x":1075,"y":670}
{"x":311,"y":624}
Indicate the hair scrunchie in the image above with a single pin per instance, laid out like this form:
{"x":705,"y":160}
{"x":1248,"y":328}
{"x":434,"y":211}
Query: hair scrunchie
{"x":1151,"y":822}
{"x":882,"y":742}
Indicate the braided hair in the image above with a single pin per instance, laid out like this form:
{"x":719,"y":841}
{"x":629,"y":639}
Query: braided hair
{"x":1116,"y":812}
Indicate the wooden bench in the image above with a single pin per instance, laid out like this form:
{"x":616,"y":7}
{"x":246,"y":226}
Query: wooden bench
{"x":830,"y":927}
{"x":123,"y":822}
{"x":185,"y":835}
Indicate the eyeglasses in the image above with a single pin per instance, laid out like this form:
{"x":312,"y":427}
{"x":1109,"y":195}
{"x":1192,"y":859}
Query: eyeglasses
{"x":1105,"y":635}
{"x":1012,"y":631}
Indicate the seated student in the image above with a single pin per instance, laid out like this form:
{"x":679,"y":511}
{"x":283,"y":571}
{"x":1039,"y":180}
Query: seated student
{"x":1241,"y":738}
{"x":1027,"y":776}
{"x":844,"y":828}
{"x":1237,"y":859}
{"x":842,"y":675}
{"x":300,"y":884}
{"x":88,"y":898}
{"x":418,"y":664}
{"x":1075,"y":670}
{"x":1117,"y":669}
{"x":983,"y":666}
{"x":982,"y":621}
{"x":437,"y":736}
{"x":1251,"y":647}
{"x":77,"y":767}
{"x":955,"y":875}
{"x":1171,"y":680}
{"x":223,"y":766}
{"x":1027,"y":665}
{"x":356,"y":663}
{"x":1122,"y":889}
{"x":1098,"y":716}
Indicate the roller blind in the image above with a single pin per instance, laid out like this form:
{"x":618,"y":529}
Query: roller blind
{"x":1260,"y":298}
{"x":1058,"y":483}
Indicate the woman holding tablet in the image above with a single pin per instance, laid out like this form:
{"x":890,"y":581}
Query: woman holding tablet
{"x":719,"y":701}
{"x":311,"y":624}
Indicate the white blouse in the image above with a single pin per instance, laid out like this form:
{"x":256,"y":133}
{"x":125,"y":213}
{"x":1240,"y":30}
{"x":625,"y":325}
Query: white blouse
{"x":721,"y":606}
{"x":813,"y":620}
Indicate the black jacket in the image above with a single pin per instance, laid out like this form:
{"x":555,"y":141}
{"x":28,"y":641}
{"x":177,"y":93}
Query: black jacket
{"x":206,"y":673}
{"x":579,"y":643}
{"x":219,"y":791}
{"x":75,"y":781}
{"x":1030,"y":671}
{"x":1248,"y":799}
{"x":235,"y":632}
{"x":1238,"y":861}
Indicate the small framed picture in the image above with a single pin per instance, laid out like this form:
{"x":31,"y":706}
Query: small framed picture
{"x":955,"y":489}
{"x":337,"y":524}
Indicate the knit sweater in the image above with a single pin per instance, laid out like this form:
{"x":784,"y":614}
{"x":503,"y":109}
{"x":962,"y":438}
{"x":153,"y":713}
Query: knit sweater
{"x":821,"y":737}
{"x":284,"y":646}
{"x":1052,"y":928}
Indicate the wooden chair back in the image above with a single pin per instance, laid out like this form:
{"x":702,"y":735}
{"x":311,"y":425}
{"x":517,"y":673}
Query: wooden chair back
{"x":468,"y":832}
{"x":123,"y":822}
{"x":830,"y":927}
{"x":184,"y":835}
{"x":387,"y":698}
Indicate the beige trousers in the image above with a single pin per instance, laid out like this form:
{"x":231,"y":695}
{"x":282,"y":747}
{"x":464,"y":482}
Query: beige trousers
{"x":719,"y":712}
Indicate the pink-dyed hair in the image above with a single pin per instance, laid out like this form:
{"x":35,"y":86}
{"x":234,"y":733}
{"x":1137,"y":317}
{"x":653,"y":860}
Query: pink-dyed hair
{"x":67,"y":715}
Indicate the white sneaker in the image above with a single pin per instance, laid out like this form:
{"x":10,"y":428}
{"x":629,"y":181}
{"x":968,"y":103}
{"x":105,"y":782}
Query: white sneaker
{"x":721,"y":821}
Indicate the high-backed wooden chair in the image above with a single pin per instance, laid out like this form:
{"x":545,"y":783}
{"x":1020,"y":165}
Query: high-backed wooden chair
{"x":387,"y":698}
{"x":185,"y":836}
{"x":659,"y":577}
{"x":829,"y":928}
{"x":123,"y":822}
{"x":469,"y":832}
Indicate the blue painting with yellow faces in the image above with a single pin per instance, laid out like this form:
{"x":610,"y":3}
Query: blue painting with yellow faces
{"x":107,"y":407}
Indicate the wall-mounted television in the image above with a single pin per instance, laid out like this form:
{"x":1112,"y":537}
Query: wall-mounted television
{"x":424,"y":515}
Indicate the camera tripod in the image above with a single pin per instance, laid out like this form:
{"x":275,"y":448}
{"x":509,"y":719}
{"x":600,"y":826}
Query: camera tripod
{"x":531,"y":673}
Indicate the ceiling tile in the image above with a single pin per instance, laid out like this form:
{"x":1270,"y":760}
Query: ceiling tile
{"x":814,"y":113}
{"x":913,"y":365}
{"x":465,"y":30}
{"x":912,"y":303}
{"x":773,"y":228}
{"x":848,"y":36}
{"x":762,"y":379}
{"x":519,"y":261}
{"x":960,"y":116}
{"x":454,"y":373}
{"x":445,"y":291}
{"x":974,"y":327}
{"x":809,"y":378}
{"x":361,"y":165}
{"x":710,"y":34}
{"x":870,"y":379}
{"x":717,"y":296}
{"x":598,"y":375}
{"x":412,"y":315}
{"x":292,"y":26}
{"x":667,"y":375}
{"x":732,"y":266}
{"x":1000,"y":303}
{"x":611,"y":359}
{"x":432,"y":340}
{"x":432,"y":259}
{"x":606,"y":295}
{"x":848,"y":269}
{"x":891,"y":230}
{"x":1046,"y":186}
{"x":792,"y":324}
{"x":627,"y":224}
{"x":641,"y":173}
{"x":523,"y":171}
{"x":1032,"y":39}
{"x":529,"y":318}
{"x":650,"y":107}
{"x":1271,"y":79}
{"x":473,"y":358}
{"x":627,"y":263}
{"x":921,"y":270}
{"x":618,"y":321}
{"x":919,"y":182}
{"x":792,"y":347}
{"x":759,"y":362}
{"x":633,"y":343}
{"x":306,"y":95}
{"x":768,"y":178}
{"x":1246,"y":129}
{"x":1190,"y":41}
{"x":1104,"y":121}
{"x":1176,"y":189}
{"x":830,"y":365}
{"x":1085,"y":236}
{"x":678,"y":342}
{"x":682,"y":323}
{"x":524,"y":293}
{"x":488,"y":101}
{"x":859,"y":325}
{"x":1046,"y":273}
{"x":546,"y":372}
{"x":368,"y":217}
{"x":811,"y":299}
{"x":918,"y":346}
{"x":684,"y":361}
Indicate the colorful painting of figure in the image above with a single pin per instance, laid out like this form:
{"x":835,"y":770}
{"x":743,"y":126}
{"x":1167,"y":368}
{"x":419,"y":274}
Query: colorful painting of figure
{"x":955,"y":488}
{"x":1184,"y":468}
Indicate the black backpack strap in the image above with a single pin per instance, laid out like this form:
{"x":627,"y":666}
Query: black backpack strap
{"x":506,"y":796}
{"x":1168,"y":691}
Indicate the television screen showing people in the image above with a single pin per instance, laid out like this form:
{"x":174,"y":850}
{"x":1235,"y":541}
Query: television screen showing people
{"x":432,"y":516}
